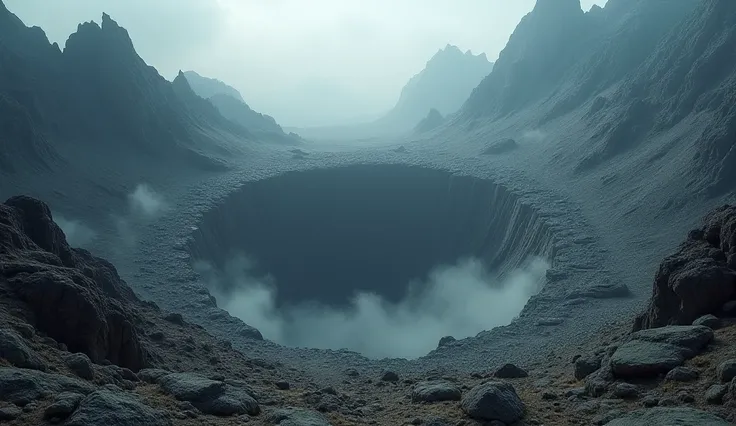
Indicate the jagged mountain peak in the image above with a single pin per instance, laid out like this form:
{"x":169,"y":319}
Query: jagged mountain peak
{"x":112,"y":35}
{"x":208,"y":87}
{"x":557,"y":7}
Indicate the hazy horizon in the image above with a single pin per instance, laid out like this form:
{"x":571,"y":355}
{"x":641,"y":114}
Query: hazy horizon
{"x":329,"y":62}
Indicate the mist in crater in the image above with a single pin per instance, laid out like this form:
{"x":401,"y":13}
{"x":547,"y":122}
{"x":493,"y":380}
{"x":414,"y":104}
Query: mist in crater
{"x":460,"y":300}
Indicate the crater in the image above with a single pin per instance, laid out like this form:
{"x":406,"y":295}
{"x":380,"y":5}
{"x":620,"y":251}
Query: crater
{"x":323,"y":237}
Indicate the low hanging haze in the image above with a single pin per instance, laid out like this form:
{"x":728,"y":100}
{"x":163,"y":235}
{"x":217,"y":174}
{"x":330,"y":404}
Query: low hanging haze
{"x":306,"y":62}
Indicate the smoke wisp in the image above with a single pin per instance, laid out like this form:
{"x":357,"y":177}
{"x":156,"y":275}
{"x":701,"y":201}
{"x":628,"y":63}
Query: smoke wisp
{"x":77,"y":233}
{"x":460,"y":300}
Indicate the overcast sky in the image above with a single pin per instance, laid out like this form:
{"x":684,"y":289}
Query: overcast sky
{"x":306,"y":62}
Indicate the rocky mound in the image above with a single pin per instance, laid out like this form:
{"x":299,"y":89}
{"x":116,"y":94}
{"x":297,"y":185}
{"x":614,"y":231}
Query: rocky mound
{"x":433,"y":120}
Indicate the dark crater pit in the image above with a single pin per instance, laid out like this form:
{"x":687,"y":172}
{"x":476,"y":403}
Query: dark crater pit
{"x":325,"y":234}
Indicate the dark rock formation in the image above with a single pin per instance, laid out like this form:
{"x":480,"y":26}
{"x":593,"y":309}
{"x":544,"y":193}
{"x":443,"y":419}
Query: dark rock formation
{"x":433,"y":120}
{"x":74,"y":297}
{"x":97,"y":86}
{"x":500,"y":147}
{"x":699,"y":278}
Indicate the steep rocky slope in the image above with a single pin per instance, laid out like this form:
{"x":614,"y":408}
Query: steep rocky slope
{"x":97,"y":95}
{"x":231,"y":105}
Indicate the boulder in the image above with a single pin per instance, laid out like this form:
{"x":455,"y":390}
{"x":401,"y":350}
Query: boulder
{"x":639,"y":358}
{"x":21,"y":386}
{"x":295,"y":417}
{"x":435,"y":391}
{"x":665,"y":416}
{"x":715,"y":394}
{"x":389,"y":376}
{"x":80,"y":364}
{"x":586,"y":365}
{"x":726,"y":370}
{"x":211,"y":396}
{"x":63,"y":406}
{"x":493,"y":401}
{"x":105,"y":407}
{"x":710,"y":321}
{"x":14,"y":349}
{"x":682,"y":374}
{"x":690,"y":338}
{"x":510,"y":371}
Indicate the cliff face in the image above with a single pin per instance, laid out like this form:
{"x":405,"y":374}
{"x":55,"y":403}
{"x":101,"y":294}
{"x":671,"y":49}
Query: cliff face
{"x":96,"y":93}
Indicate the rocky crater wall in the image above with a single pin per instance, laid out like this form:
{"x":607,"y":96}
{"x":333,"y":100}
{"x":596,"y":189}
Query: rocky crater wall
{"x":324,"y":234}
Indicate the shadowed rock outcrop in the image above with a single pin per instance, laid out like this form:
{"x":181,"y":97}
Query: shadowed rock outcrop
{"x":699,"y":278}
{"x":74,"y":297}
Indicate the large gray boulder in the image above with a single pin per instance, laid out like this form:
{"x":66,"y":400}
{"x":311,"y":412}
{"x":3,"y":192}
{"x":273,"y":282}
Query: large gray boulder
{"x":652,"y":352}
{"x":435,"y":391}
{"x":14,"y":349}
{"x":211,"y":396}
{"x":493,"y":401}
{"x":661,"y":416}
{"x":639,"y":358}
{"x":20,"y":386}
{"x":108,"y":408}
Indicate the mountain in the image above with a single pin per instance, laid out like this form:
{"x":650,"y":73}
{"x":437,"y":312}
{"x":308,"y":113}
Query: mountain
{"x":433,"y":120}
{"x":444,"y":84}
{"x":97,"y":98}
{"x":230,"y":104}
{"x":634,"y":71}
{"x":209,"y":87}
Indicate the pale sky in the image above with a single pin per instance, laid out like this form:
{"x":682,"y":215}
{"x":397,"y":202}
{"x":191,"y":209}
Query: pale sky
{"x":306,"y":62}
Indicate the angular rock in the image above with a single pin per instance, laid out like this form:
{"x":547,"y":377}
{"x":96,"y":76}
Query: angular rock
{"x":210,"y":396}
{"x":715,"y":393}
{"x":638,"y":358}
{"x":108,"y":408}
{"x":390,"y":376}
{"x":10,"y":413}
{"x":435,"y":391}
{"x":626,"y":391}
{"x":510,"y":371}
{"x":726,"y":370}
{"x":295,"y":417}
{"x":682,"y":374}
{"x":191,"y":387}
{"x":63,"y":406}
{"x":15,"y":350}
{"x":692,"y":338}
{"x":80,"y":364}
{"x":665,"y":416}
{"x":21,"y":386}
{"x":493,"y":401}
{"x":587,"y":365}
{"x":152,"y":375}
{"x":710,"y":321}
{"x":447,"y":340}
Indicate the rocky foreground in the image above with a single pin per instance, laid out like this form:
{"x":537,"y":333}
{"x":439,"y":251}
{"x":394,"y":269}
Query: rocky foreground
{"x":77,"y":347}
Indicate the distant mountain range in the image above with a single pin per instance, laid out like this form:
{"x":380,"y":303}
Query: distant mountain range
{"x":444,"y":85}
